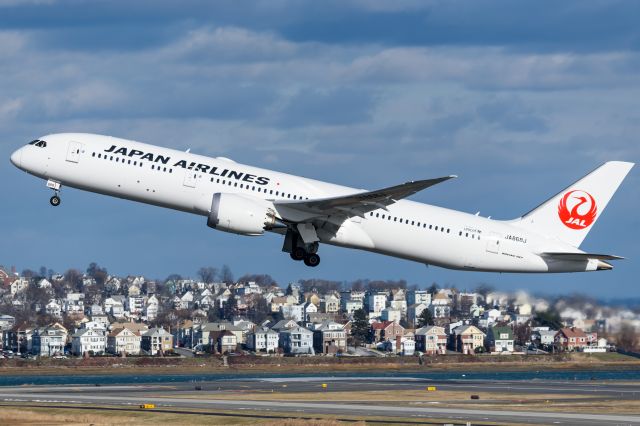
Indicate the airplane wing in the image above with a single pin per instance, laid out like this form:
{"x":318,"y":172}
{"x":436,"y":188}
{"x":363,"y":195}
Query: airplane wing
{"x":361,"y":202}
{"x":580,"y":256}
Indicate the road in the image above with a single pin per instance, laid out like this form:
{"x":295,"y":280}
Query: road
{"x":185,"y":396}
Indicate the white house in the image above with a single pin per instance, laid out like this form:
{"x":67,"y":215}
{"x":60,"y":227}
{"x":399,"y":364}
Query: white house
{"x":294,"y":312}
{"x":263,"y":339}
{"x":49,"y":341}
{"x":19,"y":285}
{"x":418,"y":296}
{"x":53,"y":308}
{"x":297,"y":340}
{"x":390,"y":314}
{"x":123,"y":340}
{"x":88,"y":340}
{"x":377,"y":302}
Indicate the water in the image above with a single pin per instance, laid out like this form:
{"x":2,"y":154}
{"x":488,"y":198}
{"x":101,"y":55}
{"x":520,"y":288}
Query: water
{"x":124,"y":379}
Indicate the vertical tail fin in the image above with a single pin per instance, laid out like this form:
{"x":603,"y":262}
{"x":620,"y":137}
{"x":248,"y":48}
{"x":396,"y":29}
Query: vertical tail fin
{"x":570,"y":214}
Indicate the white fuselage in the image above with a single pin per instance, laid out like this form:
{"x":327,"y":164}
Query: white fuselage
{"x":184,"y":181}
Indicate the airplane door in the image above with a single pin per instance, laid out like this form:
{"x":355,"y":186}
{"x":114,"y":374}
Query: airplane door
{"x":190,"y":178}
{"x":493,"y":243}
{"x":73,"y":152}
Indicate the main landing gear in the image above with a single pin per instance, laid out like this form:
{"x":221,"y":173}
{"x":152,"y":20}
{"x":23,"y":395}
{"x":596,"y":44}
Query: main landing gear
{"x":298,"y":250}
{"x":310,"y":259}
{"x":55,"y":185}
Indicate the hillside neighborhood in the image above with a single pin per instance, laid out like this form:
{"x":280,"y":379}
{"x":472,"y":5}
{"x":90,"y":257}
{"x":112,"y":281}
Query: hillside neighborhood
{"x":98,"y":314}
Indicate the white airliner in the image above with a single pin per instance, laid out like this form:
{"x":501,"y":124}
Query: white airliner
{"x":249,"y":201}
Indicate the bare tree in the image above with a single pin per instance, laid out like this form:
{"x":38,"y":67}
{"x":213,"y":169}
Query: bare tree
{"x":627,"y":337}
{"x":226,"y":275}
{"x":207,"y":274}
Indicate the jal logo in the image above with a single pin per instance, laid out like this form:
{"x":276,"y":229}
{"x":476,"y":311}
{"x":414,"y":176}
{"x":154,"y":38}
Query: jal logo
{"x":577,"y":209}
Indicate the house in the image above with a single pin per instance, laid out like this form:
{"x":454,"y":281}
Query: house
{"x":49,"y":340}
{"x":7,"y":322}
{"x":88,"y":340}
{"x":440,"y":306}
{"x":283,"y":325}
{"x":297,"y":340}
{"x":432,"y":340}
{"x":19,"y":285}
{"x":466,"y":339}
{"x":263,"y":339}
{"x":542,"y":336}
{"x":201,"y":335}
{"x":414,"y":311}
{"x":73,"y":303}
{"x":377,"y":302}
{"x":151,"y":308}
{"x":53,"y":308}
{"x":570,"y":339}
{"x":294,"y":312}
{"x":500,"y":339}
{"x":309,"y":308}
{"x":223,"y":341}
{"x":123,"y":341}
{"x":350,"y":305}
{"x":386,"y":330}
{"x":403,"y":345}
{"x":391,"y":314}
{"x":135,"y":304}
{"x":156,"y":340}
{"x":329,"y":338}
{"x":330,"y":304}
{"x":418,"y":296}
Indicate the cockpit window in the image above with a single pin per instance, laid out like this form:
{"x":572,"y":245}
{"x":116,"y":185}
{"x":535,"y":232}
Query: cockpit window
{"x":38,"y":143}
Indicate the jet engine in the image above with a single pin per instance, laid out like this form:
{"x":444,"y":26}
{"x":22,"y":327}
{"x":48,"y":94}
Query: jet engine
{"x":242,"y":215}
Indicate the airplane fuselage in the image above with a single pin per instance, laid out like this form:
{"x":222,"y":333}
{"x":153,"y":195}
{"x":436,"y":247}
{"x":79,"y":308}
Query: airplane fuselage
{"x":185,"y":181}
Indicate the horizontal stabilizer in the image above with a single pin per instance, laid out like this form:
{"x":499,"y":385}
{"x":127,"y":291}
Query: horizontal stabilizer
{"x":580,"y":256}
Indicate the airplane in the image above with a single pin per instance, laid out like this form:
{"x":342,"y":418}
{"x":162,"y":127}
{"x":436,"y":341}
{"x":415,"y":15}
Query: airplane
{"x":247,"y":200}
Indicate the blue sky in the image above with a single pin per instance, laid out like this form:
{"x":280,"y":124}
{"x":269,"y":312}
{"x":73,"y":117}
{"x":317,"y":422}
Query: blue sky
{"x":518,"y":99}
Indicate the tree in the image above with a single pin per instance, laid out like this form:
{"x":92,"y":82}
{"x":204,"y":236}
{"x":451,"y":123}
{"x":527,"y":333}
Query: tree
{"x":73,"y":278}
{"x":207,"y":274}
{"x":260,"y":310}
{"x":230,"y":308}
{"x":627,"y":337}
{"x":289,"y":290}
{"x":425,"y":318}
{"x":360,"y":329}
{"x":549,"y":319}
{"x":263,"y":280}
{"x":97,"y":273}
{"x":226,"y":275}
{"x":433,"y":289}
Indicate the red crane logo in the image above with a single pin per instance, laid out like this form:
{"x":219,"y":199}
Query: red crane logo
{"x":577,"y":209}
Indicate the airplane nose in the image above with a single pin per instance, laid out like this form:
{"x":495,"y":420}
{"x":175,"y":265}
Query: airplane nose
{"x":16,"y":158}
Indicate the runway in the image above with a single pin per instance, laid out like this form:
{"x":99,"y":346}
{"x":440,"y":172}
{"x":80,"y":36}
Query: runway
{"x":208,"y":396}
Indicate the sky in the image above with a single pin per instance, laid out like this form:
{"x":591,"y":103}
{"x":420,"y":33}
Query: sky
{"x":519,"y":99}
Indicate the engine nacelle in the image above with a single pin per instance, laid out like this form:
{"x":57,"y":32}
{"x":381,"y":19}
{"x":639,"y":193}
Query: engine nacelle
{"x":242,"y":215}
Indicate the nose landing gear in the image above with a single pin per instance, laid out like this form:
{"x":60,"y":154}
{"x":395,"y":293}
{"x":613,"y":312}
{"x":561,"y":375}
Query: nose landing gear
{"x":55,"y":185}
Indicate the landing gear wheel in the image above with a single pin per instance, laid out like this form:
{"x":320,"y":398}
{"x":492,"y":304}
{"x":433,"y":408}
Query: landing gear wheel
{"x":55,"y":201}
{"x":312,"y":260}
{"x":298,"y":253}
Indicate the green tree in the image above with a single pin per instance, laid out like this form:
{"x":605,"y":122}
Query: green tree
{"x":360,"y":329}
{"x":289,"y":290}
{"x":230,"y":308}
{"x":549,"y":319}
{"x":425,"y":318}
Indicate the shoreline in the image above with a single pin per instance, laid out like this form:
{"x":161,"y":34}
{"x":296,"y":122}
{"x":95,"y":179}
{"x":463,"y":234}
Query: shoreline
{"x":321,"y":365}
